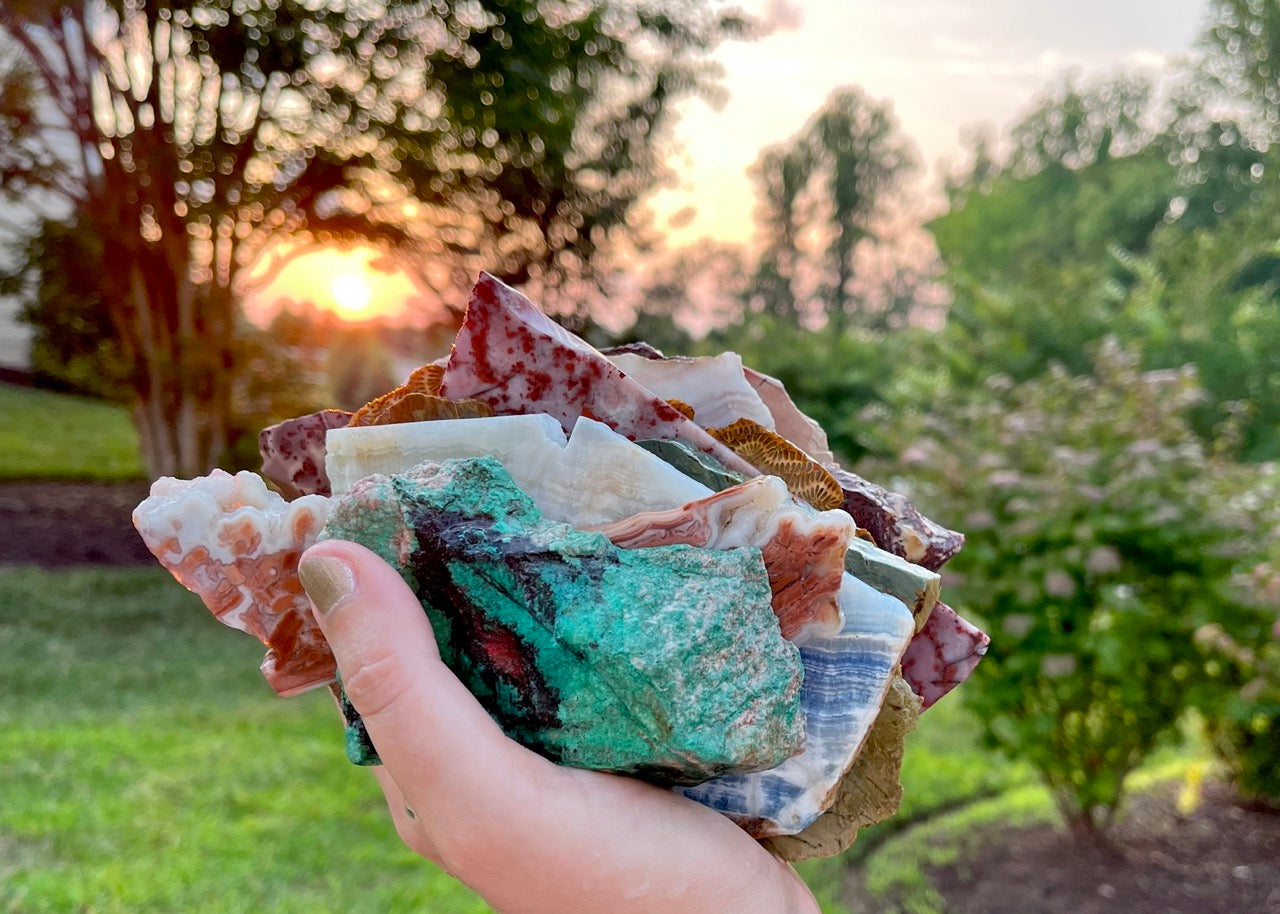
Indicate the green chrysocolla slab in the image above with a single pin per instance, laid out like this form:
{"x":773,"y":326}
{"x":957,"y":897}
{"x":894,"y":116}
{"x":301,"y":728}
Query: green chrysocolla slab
{"x":664,"y":663}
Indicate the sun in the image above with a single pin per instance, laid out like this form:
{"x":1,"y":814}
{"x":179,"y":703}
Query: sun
{"x":352,"y":296}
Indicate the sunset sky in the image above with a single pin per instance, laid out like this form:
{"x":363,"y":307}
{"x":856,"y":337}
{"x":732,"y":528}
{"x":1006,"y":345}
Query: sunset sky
{"x":944,"y":64}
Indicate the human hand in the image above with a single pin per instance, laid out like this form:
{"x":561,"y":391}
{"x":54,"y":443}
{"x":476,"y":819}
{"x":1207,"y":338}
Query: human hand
{"x":529,"y":836}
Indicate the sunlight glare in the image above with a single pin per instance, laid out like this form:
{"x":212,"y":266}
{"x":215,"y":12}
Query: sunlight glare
{"x":352,"y":296}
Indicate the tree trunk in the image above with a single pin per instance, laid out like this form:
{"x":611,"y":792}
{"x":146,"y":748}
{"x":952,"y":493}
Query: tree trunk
{"x":180,"y":336}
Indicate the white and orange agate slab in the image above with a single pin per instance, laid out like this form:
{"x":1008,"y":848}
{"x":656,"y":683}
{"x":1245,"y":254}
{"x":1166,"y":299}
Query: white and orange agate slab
{"x":236,"y":545}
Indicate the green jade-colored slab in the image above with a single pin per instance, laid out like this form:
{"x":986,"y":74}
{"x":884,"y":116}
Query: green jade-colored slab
{"x":664,"y":663}
{"x":914,"y":585}
{"x":693,"y":463}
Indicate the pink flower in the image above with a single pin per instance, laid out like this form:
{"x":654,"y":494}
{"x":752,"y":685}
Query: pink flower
{"x":1059,"y":584}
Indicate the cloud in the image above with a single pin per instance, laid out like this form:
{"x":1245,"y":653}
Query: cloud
{"x":782,"y":16}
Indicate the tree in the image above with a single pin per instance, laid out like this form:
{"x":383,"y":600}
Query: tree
{"x":1242,"y":57}
{"x":191,"y":136}
{"x":1114,"y":217}
{"x":821,"y":192}
{"x":73,"y":346}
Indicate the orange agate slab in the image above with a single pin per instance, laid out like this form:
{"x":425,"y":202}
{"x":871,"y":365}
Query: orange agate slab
{"x":236,"y":545}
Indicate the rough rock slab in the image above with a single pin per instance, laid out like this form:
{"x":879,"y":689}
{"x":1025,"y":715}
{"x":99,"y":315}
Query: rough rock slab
{"x":803,"y":550}
{"x":895,"y":524}
{"x":846,"y":679}
{"x":663,"y":663}
{"x":236,"y":545}
{"x":515,"y":358}
{"x":943,"y":655}
{"x":914,"y":585}
{"x":293,"y":452}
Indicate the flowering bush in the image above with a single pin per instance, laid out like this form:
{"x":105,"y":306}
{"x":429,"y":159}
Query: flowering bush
{"x":1245,"y":727}
{"x":1099,"y":542}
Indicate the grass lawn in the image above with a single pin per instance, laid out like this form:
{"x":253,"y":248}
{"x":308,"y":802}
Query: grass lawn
{"x":145,"y":766}
{"x":45,"y":435}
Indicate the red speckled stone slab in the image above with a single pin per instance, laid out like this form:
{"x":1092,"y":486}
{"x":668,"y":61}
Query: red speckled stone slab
{"x":513,"y":357}
{"x":293,"y":452}
{"x":942,"y":654}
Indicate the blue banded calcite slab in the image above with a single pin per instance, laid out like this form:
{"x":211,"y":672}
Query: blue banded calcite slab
{"x":663,"y":663}
{"x":846,"y":678}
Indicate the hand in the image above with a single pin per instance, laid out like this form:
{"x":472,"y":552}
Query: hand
{"x":529,"y":836}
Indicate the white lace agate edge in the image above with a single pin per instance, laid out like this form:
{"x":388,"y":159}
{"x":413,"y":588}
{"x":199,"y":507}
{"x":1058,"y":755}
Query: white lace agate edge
{"x":233,"y":542}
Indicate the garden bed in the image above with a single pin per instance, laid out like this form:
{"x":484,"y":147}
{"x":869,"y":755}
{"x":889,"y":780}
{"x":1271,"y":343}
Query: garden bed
{"x":60,"y":524}
{"x":1217,"y":858}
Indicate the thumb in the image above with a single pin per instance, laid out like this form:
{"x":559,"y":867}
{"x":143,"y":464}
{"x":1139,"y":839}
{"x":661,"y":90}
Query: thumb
{"x":439,"y":745}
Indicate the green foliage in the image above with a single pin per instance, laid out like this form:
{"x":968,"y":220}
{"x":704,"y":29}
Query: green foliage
{"x":1242,"y":42}
{"x":1211,"y":298}
{"x":1246,"y":730}
{"x":73,"y":346}
{"x":831,"y":376}
{"x":1098,"y":543}
{"x":1245,"y":723}
{"x":146,"y":767}
{"x":45,"y":435}
{"x":1164,"y":240}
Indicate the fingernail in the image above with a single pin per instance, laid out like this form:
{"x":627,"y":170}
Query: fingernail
{"x":326,"y":580}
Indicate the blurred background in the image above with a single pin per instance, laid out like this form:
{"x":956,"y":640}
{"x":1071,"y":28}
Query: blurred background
{"x":1021,"y":259}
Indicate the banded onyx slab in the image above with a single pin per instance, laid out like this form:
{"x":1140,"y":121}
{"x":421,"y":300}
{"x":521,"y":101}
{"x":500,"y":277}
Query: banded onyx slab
{"x":593,"y":477}
{"x":846,"y":679}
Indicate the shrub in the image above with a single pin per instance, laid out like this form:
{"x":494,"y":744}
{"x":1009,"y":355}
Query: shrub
{"x":1098,"y":544}
{"x":1244,"y":725}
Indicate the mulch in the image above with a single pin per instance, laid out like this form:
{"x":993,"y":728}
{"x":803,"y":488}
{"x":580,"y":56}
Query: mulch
{"x":60,"y":524}
{"x":1221,"y":858}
